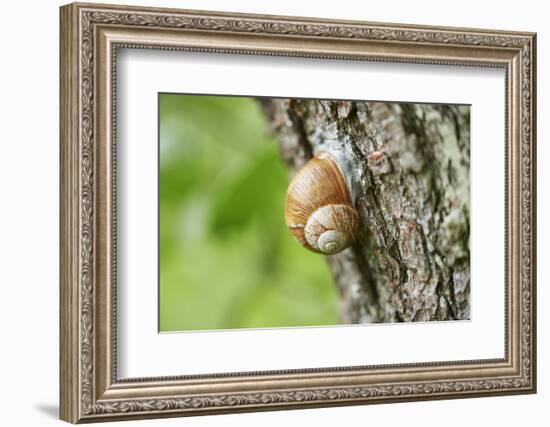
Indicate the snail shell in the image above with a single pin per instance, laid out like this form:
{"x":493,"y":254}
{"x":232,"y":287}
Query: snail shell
{"x":318,"y":206}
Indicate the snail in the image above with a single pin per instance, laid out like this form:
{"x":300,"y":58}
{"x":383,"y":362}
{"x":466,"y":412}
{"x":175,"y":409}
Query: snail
{"x":318,"y":207}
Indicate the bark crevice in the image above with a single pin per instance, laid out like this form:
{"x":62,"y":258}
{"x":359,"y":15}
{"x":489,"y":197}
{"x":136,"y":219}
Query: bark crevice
{"x":410,"y":261}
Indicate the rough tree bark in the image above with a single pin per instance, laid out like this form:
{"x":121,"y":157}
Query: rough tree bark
{"x":411,"y":259}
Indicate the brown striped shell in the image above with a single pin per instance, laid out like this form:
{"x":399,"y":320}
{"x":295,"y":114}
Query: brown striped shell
{"x":318,"y":206}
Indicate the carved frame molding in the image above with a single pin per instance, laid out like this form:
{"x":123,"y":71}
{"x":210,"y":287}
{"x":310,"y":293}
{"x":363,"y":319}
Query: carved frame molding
{"x":90,"y":37}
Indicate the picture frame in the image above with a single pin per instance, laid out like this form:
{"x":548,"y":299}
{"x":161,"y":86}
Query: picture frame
{"x":91,"y":36}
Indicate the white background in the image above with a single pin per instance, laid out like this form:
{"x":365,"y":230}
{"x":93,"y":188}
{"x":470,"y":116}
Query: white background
{"x":29,"y":171}
{"x":143,"y":352}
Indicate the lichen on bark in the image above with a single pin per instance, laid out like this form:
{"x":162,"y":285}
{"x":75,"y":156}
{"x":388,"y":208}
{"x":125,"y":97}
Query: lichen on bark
{"x":411,"y":163}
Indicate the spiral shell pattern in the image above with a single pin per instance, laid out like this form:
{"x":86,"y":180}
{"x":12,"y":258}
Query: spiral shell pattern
{"x":318,"y":207}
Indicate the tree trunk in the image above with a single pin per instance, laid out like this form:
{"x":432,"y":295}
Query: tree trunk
{"x":411,"y":259}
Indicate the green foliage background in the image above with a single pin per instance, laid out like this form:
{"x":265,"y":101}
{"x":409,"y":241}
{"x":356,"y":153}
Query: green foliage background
{"x":226,"y":257}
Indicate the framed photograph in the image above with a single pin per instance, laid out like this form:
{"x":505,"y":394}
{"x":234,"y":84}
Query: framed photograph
{"x":266,"y":212}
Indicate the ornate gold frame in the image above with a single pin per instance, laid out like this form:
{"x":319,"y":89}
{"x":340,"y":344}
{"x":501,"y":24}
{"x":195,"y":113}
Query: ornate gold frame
{"x":90,"y":36}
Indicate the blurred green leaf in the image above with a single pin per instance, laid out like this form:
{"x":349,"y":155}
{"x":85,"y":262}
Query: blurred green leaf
{"x":226,"y":257}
